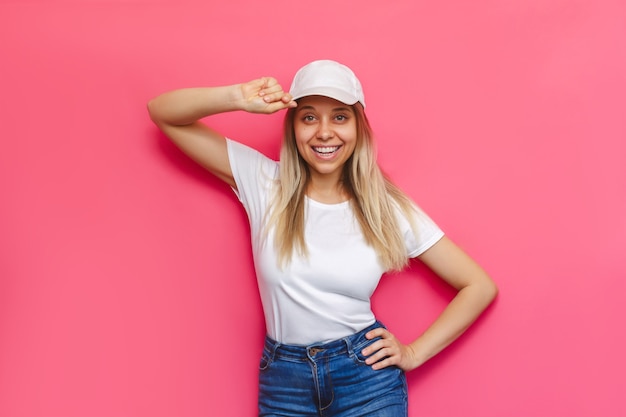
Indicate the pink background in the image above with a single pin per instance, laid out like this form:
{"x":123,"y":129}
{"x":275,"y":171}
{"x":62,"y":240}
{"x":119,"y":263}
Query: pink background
{"x":126,"y":285}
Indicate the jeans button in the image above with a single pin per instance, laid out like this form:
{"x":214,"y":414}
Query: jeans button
{"x":314,"y":351}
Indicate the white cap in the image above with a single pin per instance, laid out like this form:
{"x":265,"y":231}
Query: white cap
{"x":330,"y":79}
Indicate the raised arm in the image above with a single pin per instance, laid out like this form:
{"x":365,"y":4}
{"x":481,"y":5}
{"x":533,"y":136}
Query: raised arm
{"x":177,"y":113}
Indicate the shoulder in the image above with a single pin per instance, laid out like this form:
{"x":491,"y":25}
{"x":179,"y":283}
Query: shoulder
{"x":419,"y":229}
{"x":253,"y":172}
{"x":245,"y":158}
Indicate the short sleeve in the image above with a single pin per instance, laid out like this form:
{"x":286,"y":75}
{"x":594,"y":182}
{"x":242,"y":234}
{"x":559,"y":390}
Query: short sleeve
{"x":425,"y":235}
{"x":254,"y":175}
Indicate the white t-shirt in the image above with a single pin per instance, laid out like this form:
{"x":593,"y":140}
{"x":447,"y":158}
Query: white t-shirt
{"x":324,"y":296}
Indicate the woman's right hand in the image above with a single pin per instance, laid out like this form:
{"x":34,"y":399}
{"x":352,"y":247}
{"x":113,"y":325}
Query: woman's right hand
{"x":265,"y":95}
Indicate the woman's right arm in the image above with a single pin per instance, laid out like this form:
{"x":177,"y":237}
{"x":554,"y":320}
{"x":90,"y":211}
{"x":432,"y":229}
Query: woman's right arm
{"x":177,"y":113}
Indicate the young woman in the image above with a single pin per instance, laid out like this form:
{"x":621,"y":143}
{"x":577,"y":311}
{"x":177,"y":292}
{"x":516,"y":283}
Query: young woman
{"x":326,"y":224}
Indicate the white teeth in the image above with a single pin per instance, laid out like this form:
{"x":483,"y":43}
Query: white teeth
{"x":325,"y":149}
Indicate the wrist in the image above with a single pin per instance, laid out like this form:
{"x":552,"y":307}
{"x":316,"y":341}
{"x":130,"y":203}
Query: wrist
{"x":418,"y":354}
{"x":234,"y":98}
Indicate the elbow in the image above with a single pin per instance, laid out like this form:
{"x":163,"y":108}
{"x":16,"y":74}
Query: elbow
{"x":158,"y":109}
{"x":484,"y":289}
{"x":152,"y":110}
{"x":490,"y":291}
{"x":160,"y":112}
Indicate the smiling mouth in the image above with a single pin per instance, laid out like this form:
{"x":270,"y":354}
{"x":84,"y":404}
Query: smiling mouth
{"x":325,"y":150}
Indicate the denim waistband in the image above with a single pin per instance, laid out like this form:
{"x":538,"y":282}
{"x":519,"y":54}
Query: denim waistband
{"x":332,"y":348}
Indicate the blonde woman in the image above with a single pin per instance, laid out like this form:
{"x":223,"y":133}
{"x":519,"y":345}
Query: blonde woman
{"x":326,"y":224}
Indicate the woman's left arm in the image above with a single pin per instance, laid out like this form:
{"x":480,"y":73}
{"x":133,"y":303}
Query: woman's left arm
{"x":476,"y":291}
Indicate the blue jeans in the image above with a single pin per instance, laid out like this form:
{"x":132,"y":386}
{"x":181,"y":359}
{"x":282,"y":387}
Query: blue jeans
{"x":328,"y":380}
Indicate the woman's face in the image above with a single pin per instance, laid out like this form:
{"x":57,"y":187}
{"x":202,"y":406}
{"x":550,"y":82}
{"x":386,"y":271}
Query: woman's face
{"x":326,"y":134}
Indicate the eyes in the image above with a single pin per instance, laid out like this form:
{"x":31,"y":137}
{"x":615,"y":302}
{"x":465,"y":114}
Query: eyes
{"x":338,"y":118}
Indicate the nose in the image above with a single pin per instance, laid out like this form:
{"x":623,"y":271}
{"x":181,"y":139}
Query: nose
{"x":325,"y":131}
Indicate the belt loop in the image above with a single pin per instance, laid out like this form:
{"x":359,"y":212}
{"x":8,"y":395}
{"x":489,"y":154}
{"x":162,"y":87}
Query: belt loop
{"x":272,"y":346}
{"x":348,"y":345}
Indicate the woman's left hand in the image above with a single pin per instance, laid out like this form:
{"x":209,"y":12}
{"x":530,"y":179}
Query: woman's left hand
{"x":388,"y":351}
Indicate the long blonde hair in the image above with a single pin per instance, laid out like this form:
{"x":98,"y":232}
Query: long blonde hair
{"x":375,"y":199}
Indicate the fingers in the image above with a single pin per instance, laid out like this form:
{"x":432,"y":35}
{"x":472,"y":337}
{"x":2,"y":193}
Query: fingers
{"x":270,"y":94}
{"x":276,"y":96}
{"x":381,"y":348}
{"x":377,"y":332}
{"x":386,"y":351}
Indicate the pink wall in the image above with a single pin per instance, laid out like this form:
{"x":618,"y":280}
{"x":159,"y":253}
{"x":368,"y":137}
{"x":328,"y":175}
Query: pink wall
{"x":126,"y":286}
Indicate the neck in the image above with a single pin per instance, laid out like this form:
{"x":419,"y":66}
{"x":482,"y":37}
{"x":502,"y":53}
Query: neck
{"x":327,"y":190}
